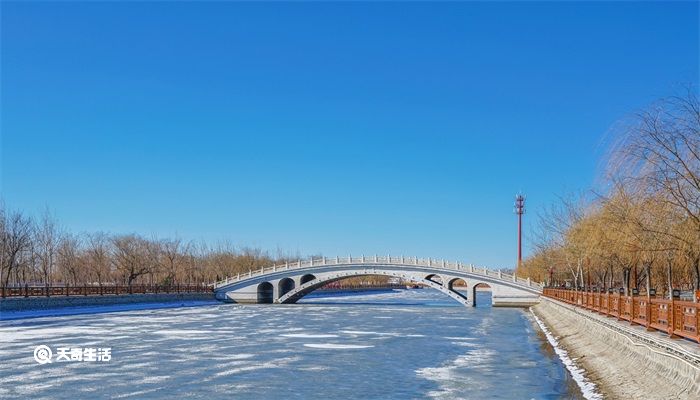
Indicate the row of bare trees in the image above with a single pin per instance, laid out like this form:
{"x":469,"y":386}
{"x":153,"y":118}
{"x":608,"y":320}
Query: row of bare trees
{"x":642,"y":229}
{"x":36,"y":251}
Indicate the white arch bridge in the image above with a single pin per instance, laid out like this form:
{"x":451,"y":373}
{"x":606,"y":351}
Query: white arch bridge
{"x":284,"y":284}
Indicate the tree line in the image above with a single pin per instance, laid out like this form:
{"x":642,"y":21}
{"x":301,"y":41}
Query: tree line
{"x":36,"y":251}
{"x":641,"y":228}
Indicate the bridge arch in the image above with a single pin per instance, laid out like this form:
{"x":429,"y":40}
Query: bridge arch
{"x":456,"y":281}
{"x":481,"y":285}
{"x":285,"y":285}
{"x":266,"y":293}
{"x":306,"y":278}
{"x":435,"y":278}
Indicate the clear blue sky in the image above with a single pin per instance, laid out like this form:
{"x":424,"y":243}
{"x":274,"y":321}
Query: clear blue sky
{"x":329,"y":128}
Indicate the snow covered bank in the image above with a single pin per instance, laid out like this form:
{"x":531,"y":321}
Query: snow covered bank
{"x":14,"y":315}
{"x":588,"y":388}
{"x":620,"y":365}
{"x":13,"y":308}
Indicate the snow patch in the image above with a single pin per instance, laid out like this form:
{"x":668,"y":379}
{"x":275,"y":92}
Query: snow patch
{"x":368,"y":333}
{"x":336,"y":346}
{"x":308,"y":335}
{"x":189,"y":334}
{"x":449,"y":376}
{"x":588,"y":388}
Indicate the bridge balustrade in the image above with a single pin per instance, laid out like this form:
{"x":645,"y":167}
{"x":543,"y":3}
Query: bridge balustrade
{"x":674,"y":317}
{"x":329,"y":261}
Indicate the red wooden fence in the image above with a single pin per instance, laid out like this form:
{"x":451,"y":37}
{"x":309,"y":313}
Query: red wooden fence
{"x":48,"y":291}
{"x":674,"y":317}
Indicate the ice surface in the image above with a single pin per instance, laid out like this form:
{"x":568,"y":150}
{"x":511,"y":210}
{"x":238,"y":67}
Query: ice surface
{"x":337,"y":347}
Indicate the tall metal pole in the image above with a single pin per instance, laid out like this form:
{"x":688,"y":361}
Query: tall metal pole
{"x":520,"y":210}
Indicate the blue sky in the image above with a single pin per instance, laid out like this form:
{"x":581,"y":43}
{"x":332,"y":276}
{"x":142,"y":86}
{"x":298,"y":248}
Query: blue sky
{"x":329,"y":128}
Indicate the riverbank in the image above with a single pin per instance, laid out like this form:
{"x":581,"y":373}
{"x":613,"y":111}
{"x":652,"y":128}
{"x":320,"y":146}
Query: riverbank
{"x":22,"y":304}
{"x":35,"y":307}
{"x":86,"y":310}
{"x":623,"y":365}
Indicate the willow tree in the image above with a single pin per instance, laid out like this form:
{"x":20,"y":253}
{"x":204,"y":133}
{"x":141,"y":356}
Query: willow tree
{"x":657,"y":156}
{"x":647,"y":217}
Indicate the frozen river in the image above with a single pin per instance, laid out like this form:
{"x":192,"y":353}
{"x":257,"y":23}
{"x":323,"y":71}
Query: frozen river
{"x":391,"y":345}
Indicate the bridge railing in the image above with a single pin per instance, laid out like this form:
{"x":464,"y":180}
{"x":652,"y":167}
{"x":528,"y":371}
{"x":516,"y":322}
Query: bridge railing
{"x":380,"y":260}
{"x":674,"y":317}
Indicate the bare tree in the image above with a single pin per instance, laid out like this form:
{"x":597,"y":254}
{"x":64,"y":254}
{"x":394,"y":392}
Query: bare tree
{"x":70,"y":262}
{"x":46,"y":241}
{"x":660,"y":152}
{"x":98,"y":255}
{"x":172,"y":257}
{"x":131,"y":257}
{"x":16,"y":237}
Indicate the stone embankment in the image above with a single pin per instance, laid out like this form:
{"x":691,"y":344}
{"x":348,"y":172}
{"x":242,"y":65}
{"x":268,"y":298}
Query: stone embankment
{"x":624,"y":361}
{"x":44,"y":303}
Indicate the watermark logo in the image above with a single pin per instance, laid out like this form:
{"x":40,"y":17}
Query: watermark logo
{"x":43,"y":354}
